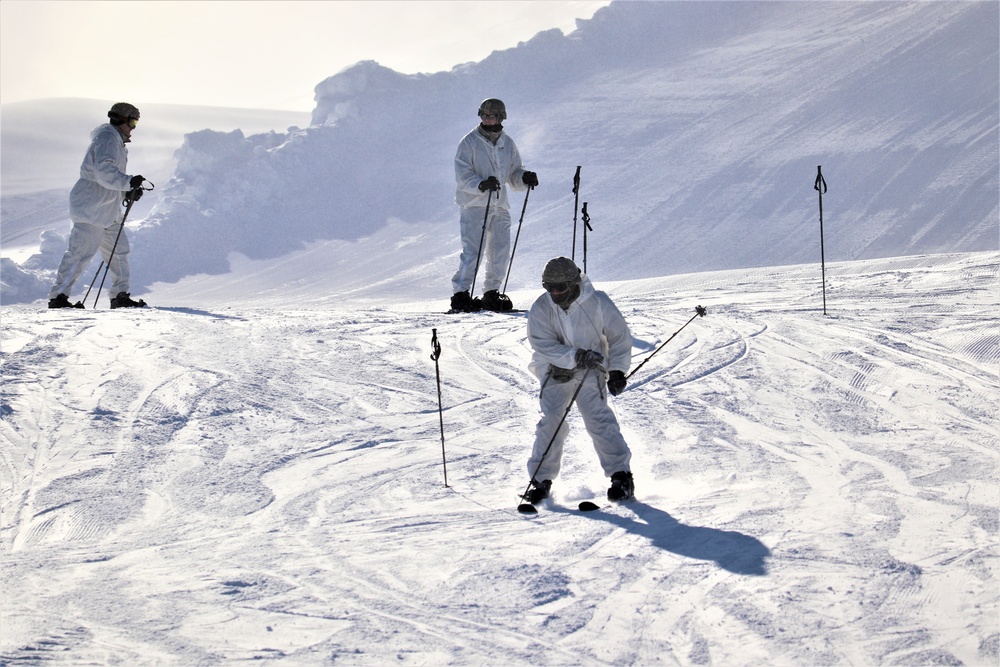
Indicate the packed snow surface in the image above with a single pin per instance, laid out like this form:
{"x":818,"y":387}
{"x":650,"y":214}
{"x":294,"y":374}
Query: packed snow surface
{"x":196,"y":483}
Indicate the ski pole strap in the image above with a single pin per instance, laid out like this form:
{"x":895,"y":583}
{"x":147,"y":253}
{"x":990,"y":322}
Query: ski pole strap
{"x":586,"y":217}
{"x":435,"y":345}
{"x":819,"y":180}
{"x":699,"y":311}
{"x":130,"y":195}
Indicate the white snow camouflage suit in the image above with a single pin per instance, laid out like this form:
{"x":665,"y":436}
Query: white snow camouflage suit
{"x":95,"y":207}
{"x":592,"y":322}
{"x":476,"y":159}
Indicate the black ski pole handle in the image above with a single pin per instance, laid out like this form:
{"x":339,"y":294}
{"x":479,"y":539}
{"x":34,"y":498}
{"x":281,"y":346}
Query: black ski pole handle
{"x":819,"y":180}
{"x":435,"y":345}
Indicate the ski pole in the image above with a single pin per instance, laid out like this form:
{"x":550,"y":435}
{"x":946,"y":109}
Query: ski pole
{"x":576,"y":203}
{"x":586,"y":227}
{"x":91,"y":286}
{"x":516,"y":236}
{"x":435,"y":355}
{"x":130,"y":198}
{"x":524,"y":507}
{"x":699,"y":311}
{"x":128,"y":208}
{"x":820,"y":181}
{"x":472,"y":290}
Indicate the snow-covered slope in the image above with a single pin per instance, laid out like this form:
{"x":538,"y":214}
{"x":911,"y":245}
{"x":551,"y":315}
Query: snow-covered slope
{"x":698,"y":127}
{"x":251,"y":469}
{"x":264,"y":481}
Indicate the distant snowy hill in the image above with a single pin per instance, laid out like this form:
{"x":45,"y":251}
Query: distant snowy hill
{"x":698,"y":128}
{"x":43,"y":141}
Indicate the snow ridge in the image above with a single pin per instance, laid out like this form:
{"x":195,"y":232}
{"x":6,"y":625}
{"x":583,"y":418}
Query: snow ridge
{"x":698,"y":127}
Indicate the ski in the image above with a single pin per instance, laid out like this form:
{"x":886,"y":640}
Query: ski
{"x":585,"y":506}
{"x":474,"y":312}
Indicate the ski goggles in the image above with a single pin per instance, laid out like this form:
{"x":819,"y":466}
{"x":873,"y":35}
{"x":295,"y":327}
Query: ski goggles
{"x":132,"y":122}
{"x":556,"y":288}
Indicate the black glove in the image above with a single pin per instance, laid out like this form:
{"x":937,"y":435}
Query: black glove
{"x":490,"y":183}
{"x":134,"y":195}
{"x":589,"y":359}
{"x":616,"y":382}
{"x":135,"y":182}
{"x":530,"y":179}
{"x":560,"y":375}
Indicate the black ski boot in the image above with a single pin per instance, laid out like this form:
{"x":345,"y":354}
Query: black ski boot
{"x":497,"y":302}
{"x":538,"y":492}
{"x":124,"y":300}
{"x":62,"y":301}
{"x":461,"y":302}
{"x":622,"y":487}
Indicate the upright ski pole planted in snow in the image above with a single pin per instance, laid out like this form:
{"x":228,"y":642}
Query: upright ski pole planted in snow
{"x":130,"y":198}
{"x":699,"y":311}
{"x":516,"y":236}
{"x":576,"y":203}
{"x":586,"y":228}
{"x":528,"y":508}
{"x":92,"y":282}
{"x":820,"y":187}
{"x":129,"y":201}
{"x":435,"y":355}
{"x":489,"y":197}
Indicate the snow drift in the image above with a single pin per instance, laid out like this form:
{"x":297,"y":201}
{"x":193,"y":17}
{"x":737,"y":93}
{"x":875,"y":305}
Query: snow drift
{"x":698,"y":127}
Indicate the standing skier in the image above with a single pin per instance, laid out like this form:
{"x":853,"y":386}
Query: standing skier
{"x":486,"y":162}
{"x":95,"y":209}
{"x":580,"y":340}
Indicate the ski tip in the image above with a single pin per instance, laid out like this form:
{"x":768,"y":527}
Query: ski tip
{"x":587,"y":506}
{"x":527,"y":508}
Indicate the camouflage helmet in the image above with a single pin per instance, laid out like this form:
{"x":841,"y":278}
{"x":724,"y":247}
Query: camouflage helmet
{"x":493,"y":105}
{"x":561,"y":270}
{"x":123,"y":111}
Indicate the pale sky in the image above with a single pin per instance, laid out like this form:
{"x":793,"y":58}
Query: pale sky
{"x":255,"y":54}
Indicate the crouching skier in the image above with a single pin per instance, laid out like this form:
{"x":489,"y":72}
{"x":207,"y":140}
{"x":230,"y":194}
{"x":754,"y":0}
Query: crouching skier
{"x":581,"y":348}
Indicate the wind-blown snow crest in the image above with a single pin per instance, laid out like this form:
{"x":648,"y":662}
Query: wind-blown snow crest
{"x":698,"y":127}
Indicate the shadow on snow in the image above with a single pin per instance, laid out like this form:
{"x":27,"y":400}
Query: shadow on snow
{"x":730,"y":550}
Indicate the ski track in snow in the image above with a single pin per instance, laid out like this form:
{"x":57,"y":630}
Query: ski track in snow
{"x":186,"y":486}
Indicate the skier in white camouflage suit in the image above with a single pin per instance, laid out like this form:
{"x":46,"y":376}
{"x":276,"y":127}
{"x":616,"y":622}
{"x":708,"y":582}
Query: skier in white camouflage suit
{"x":578,"y":335}
{"x":95,"y":207}
{"x":486,"y":162}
